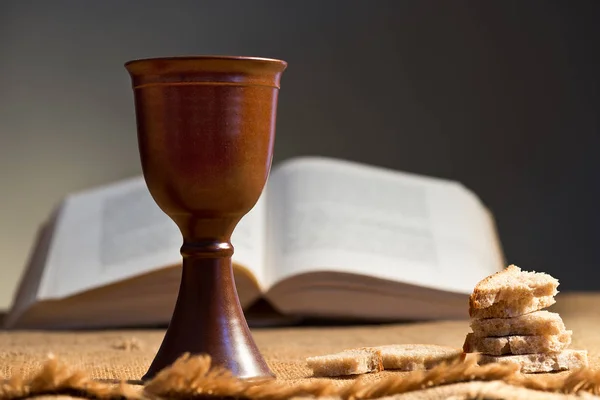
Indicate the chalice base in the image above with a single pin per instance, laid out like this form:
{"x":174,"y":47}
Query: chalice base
{"x":208,"y":319}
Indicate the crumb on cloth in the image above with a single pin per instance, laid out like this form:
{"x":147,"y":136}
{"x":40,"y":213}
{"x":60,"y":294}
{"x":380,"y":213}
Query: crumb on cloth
{"x":128,"y":344}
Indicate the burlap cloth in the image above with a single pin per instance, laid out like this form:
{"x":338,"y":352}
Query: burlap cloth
{"x":110,"y":356}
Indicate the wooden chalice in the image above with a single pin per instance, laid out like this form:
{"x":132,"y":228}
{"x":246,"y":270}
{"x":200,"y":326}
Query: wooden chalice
{"x":206,"y":127}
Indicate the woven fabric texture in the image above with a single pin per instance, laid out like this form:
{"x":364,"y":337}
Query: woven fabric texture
{"x":125,"y":355}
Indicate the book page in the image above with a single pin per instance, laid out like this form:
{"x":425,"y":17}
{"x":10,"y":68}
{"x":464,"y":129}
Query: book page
{"x":117,"y":231}
{"x":32,"y":277}
{"x":327,"y":215}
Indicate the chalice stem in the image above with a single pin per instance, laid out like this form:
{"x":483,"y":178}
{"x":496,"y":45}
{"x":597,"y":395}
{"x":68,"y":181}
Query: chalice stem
{"x":208,"y":319}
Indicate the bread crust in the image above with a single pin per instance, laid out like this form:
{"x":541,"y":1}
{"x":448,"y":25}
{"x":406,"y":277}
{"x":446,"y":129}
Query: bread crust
{"x":517,"y":291}
{"x":410,"y":357}
{"x":535,"y":323}
{"x":348,"y":362}
{"x":508,"y":309}
{"x":517,"y":344}
{"x":535,"y":363}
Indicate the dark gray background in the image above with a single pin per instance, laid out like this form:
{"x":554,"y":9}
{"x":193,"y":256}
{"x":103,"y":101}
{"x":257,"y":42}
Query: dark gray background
{"x":501,"y":95}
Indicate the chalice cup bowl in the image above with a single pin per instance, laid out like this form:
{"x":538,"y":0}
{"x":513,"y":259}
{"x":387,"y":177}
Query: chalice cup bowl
{"x":206,"y":127}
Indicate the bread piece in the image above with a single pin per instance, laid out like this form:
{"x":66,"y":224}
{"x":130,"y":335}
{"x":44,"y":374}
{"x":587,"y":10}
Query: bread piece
{"x":410,"y":357}
{"x":508,"y":309}
{"x":551,"y":362}
{"x":498,"y":346}
{"x":511,"y":282}
{"x":348,"y":362}
{"x":512,"y":292}
{"x":540,"y":323}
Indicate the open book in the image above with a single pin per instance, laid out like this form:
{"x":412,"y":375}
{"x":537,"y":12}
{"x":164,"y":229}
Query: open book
{"x":327,"y":238}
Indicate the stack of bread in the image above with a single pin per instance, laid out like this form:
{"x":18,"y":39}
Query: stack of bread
{"x":510,"y":325}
